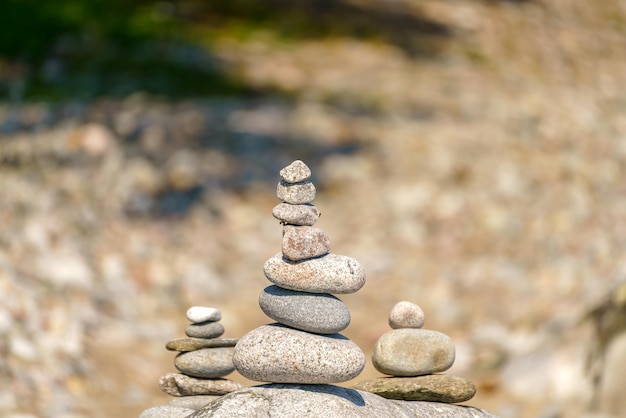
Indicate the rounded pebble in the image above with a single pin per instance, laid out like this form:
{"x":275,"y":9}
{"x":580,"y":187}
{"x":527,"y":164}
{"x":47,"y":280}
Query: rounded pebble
{"x":177,"y":384}
{"x":306,"y":214}
{"x":295,"y":172}
{"x":197,"y":314}
{"x":433,"y":388}
{"x":314,"y":312}
{"x":331,"y":273}
{"x":191,"y":344}
{"x":206,"y":362}
{"x":406,"y":315}
{"x":413,"y":352}
{"x":302,"y":242}
{"x":276,"y":353}
{"x":205,"y":330}
{"x":296,"y":193}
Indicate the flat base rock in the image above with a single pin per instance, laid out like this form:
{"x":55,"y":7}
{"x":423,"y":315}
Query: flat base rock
{"x":178,"y":384}
{"x":193,"y":402}
{"x":434,"y":388}
{"x":167,"y":411}
{"x":326,"y":401}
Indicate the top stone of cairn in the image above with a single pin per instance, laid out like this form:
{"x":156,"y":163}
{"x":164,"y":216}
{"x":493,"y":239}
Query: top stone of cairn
{"x":295,"y":172}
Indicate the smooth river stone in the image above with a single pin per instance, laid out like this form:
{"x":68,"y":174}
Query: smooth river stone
{"x":302,"y":242}
{"x":276,"y":353}
{"x":208,"y":329}
{"x":193,"y":402}
{"x":295,"y":172}
{"x":331,"y":273}
{"x":432,"y":387}
{"x":191,"y":344}
{"x":406,"y":315}
{"x":314,"y":312}
{"x":296,"y":193}
{"x":413,"y":352}
{"x":177,"y":384}
{"x":197,"y":314}
{"x":206,"y":362}
{"x":296,"y":214}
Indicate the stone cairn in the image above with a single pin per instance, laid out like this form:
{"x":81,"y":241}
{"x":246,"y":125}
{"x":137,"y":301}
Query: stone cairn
{"x":414,"y":357}
{"x":303,"y":345}
{"x":203,"y":360}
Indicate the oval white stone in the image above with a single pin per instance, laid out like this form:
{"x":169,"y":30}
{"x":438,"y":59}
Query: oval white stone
{"x":197,"y":314}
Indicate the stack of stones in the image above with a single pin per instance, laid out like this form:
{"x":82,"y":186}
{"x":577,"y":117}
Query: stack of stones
{"x":203,"y":360}
{"x":413,"y":356}
{"x":303,"y":346}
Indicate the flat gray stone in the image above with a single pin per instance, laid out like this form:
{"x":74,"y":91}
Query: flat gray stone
{"x":296,"y":214}
{"x":331,"y":273}
{"x":206,"y":362}
{"x":191,"y":344}
{"x":326,"y":401}
{"x":406,"y":315}
{"x":314,"y":312}
{"x":296,"y":193}
{"x":193,"y":402}
{"x":177,"y":384}
{"x":167,"y":411}
{"x":432,"y":387}
{"x":205,"y":330}
{"x":276,"y":353}
{"x":197,"y":314}
{"x":413,"y":352}
{"x":303,"y":242}
{"x":295,"y":172}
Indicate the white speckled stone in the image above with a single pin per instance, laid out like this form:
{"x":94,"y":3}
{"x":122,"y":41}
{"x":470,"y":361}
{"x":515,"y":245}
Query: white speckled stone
{"x":313,"y":312}
{"x":296,"y":193}
{"x":177,"y":384}
{"x":197,"y":314}
{"x":406,"y":315}
{"x":306,"y":214}
{"x":331,"y":273}
{"x":208,"y":329}
{"x":302,"y":242}
{"x":276,"y":353}
{"x":295,"y":172}
{"x":413,"y":352}
{"x":206,"y":362}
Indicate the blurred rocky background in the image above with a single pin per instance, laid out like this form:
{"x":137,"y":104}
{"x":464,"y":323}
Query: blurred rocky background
{"x":470,"y":153}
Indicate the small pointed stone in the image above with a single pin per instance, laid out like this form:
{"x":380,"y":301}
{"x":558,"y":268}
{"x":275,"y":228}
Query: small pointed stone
{"x":295,"y":172}
{"x":296,"y":193}
{"x":406,"y":315}
{"x":302,"y":242}
{"x":296,"y":214}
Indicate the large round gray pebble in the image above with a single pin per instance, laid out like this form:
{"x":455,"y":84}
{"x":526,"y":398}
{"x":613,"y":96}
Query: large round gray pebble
{"x":296,"y":214}
{"x":406,"y":315}
{"x":205,"y":330}
{"x":413,"y":352}
{"x":275,"y":353}
{"x":295,"y":172}
{"x":206,"y":362}
{"x":331,"y":273}
{"x":302,"y":242}
{"x":177,"y":384}
{"x":314,"y":312}
{"x":296,"y":193}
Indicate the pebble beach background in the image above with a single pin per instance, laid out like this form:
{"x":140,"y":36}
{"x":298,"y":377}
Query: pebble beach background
{"x":473,"y":160}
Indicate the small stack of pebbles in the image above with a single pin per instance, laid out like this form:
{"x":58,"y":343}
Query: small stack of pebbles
{"x":303,"y":346}
{"x":203,"y":360}
{"x":413,"y":356}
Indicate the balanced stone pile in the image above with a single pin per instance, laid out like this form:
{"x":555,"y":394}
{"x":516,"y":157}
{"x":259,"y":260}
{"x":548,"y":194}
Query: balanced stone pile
{"x":303,"y":346}
{"x":413,"y":356}
{"x":203,"y":360}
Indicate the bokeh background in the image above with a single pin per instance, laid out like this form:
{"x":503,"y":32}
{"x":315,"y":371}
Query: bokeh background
{"x":471,"y":154}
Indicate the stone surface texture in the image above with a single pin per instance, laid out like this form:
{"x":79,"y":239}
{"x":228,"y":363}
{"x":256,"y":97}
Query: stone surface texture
{"x":413,"y":352}
{"x":190,"y":344}
{"x":296,"y":193}
{"x":326,"y":401}
{"x":302,"y":242}
{"x":275,"y":353}
{"x":332,"y":273}
{"x":193,"y":402}
{"x":295,"y":172}
{"x":296,"y":214}
{"x":167,"y":411}
{"x":206,"y":362}
{"x":197,"y":314}
{"x":177,"y":384}
{"x":314,"y":312}
{"x":205,"y":330}
{"x":433,"y":387}
{"x":406,"y":315}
